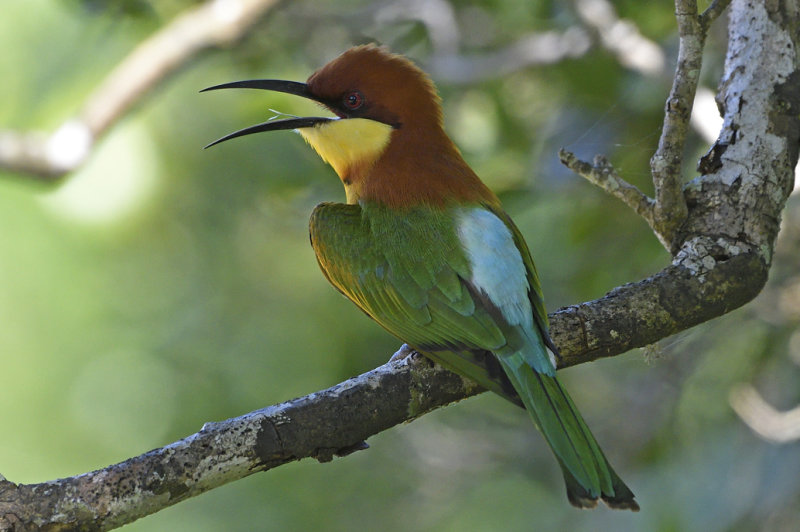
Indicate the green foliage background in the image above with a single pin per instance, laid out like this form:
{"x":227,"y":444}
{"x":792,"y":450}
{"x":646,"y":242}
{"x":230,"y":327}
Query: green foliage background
{"x":163,"y":286}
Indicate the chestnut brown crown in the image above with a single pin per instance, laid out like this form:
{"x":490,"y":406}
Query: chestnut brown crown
{"x":368,"y":81}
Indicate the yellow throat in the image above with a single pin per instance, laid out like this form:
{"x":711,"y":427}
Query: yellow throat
{"x":348,"y":144}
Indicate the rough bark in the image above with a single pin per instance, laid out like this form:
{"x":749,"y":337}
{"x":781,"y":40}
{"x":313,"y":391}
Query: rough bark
{"x":724,"y":251}
{"x":332,"y":422}
{"x":724,"y":247}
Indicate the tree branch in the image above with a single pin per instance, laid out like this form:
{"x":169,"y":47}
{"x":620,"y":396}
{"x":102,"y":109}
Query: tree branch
{"x":602,"y":174}
{"x":600,"y":24}
{"x":712,"y":12}
{"x":321,"y":425}
{"x":668,"y":210}
{"x":763,"y":418}
{"x":621,"y":37}
{"x":336,"y":421}
{"x":51,"y":156}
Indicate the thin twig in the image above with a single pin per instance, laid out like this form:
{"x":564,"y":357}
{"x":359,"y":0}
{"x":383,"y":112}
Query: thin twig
{"x":667,"y":212}
{"x":670,"y":208}
{"x":603,"y":174}
{"x":621,"y":37}
{"x":712,"y":12}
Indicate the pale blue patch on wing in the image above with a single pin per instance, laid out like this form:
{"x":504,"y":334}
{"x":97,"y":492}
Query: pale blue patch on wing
{"x":496,"y":264}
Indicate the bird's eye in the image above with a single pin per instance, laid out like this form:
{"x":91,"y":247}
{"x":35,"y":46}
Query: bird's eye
{"x":353,"y":100}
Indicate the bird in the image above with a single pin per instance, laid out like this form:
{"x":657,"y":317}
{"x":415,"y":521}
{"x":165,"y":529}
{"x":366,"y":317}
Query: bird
{"x":424,"y":248}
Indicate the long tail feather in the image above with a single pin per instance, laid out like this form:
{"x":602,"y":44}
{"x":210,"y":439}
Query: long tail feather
{"x":587,"y":473}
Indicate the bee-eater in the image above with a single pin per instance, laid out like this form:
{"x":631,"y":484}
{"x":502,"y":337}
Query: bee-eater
{"x":424,"y":248}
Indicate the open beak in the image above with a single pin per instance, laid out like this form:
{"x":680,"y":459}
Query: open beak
{"x":277,"y":85}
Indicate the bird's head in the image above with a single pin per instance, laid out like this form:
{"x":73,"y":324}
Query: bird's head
{"x":386,"y":141}
{"x":374,"y":94}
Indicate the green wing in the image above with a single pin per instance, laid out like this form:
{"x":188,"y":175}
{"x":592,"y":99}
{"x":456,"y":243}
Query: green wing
{"x":408,"y":273}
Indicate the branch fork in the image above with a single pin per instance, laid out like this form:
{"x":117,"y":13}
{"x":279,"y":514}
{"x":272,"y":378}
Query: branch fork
{"x":667,"y":211}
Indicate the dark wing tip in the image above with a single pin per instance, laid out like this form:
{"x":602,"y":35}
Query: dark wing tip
{"x":621,"y":504}
{"x":587,"y":502}
{"x":580,"y":497}
{"x":623,"y":498}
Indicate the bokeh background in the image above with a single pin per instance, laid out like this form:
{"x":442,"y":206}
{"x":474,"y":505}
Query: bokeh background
{"x":161,"y":286}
